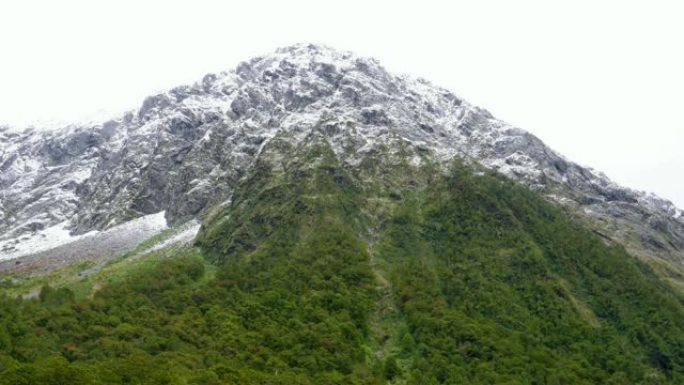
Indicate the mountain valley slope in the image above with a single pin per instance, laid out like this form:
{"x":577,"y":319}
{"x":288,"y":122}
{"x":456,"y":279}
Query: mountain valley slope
{"x":390,"y":271}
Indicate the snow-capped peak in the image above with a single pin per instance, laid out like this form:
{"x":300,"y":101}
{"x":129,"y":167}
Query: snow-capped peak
{"x":183,"y":150}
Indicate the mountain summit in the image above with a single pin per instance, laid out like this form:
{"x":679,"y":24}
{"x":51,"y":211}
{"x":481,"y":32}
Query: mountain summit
{"x":184,"y":151}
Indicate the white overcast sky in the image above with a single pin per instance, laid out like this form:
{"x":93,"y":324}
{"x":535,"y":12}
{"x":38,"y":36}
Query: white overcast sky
{"x":600,"y":81}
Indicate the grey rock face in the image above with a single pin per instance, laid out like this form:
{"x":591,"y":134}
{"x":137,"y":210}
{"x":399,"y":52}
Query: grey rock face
{"x":42,"y":173}
{"x":184,"y":150}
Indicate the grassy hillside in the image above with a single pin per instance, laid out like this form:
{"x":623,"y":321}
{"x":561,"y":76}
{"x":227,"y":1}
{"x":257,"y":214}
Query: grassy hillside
{"x":323,"y":273}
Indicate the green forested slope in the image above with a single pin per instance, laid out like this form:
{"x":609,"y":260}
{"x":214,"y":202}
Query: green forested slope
{"x":373,"y":274}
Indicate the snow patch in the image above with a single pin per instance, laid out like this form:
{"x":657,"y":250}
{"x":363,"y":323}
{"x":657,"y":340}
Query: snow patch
{"x":185,"y":236}
{"x":58,"y":235}
{"x":46,"y":239}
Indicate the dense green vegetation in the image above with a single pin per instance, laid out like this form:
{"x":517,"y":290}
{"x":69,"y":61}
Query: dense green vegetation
{"x":388,"y":273}
{"x":498,"y":287}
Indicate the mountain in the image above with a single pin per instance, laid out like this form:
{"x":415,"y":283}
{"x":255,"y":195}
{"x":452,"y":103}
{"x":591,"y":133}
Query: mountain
{"x":184,"y":150}
{"x":357,"y":227}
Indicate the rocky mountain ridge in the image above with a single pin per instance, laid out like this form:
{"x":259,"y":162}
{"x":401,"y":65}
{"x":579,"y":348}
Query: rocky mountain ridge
{"x":184,"y":150}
